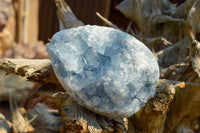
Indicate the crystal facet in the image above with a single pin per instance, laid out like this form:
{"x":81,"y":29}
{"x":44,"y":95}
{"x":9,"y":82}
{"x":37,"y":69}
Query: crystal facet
{"x":105,"y":70}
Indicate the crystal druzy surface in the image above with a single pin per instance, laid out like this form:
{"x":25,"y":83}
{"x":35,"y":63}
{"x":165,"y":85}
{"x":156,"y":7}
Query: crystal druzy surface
{"x":105,"y":70}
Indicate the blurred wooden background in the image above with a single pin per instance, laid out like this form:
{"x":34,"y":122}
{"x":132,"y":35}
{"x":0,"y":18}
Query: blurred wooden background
{"x":42,"y":20}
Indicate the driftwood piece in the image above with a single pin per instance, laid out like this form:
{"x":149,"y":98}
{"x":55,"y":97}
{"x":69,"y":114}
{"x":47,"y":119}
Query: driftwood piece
{"x":106,"y":21}
{"x":174,"y":108}
{"x":66,"y":17}
{"x":79,"y":119}
{"x":173,"y":72}
{"x":152,"y":117}
{"x":152,"y":17}
{"x":177,"y":25}
{"x":184,"y":110}
{"x":90,"y":122}
{"x":33,"y":70}
{"x":191,"y":72}
{"x":156,"y":18}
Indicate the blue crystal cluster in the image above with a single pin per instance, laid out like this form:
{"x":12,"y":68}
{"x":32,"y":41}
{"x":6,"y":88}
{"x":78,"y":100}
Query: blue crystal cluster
{"x":105,"y":70}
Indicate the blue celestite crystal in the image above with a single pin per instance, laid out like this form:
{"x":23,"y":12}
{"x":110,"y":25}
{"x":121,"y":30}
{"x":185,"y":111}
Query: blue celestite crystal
{"x":105,"y":70}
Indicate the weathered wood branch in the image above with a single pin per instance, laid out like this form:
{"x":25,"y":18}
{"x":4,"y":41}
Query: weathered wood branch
{"x":106,"y":21}
{"x":152,"y":117}
{"x":67,"y":19}
{"x":173,"y":72}
{"x":156,"y":18}
{"x":78,"y":118}
{"x":186,"y":103}
{"x":33,"y":70}
{"x":170,"y":110}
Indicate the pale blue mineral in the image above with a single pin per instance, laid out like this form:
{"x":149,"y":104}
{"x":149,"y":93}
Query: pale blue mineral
{"x":105,"y":70}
